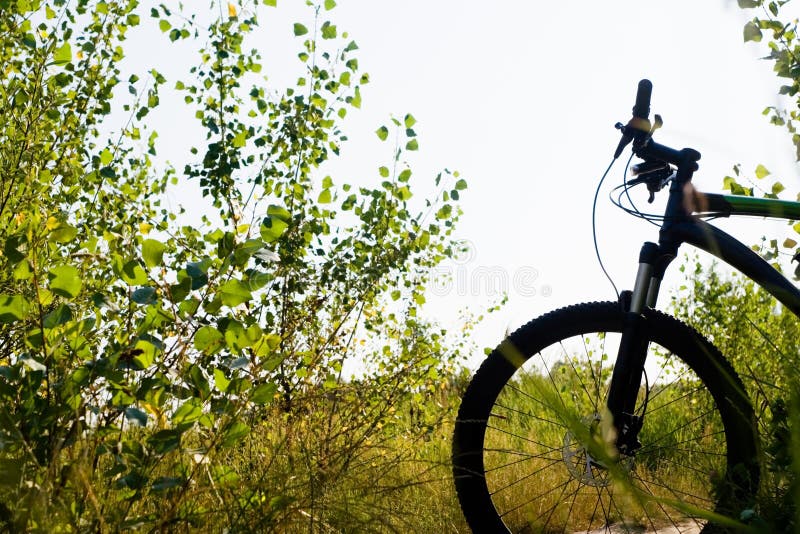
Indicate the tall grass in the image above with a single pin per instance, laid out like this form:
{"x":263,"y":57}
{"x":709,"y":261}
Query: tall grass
{"x":762,"y":341}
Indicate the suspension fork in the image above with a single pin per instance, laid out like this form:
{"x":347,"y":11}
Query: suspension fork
{"x":629,"y":368}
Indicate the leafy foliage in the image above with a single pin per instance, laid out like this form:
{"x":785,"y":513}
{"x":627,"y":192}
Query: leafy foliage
{"x":775,"y":21}
{"x":762,"y":341}
{"x":141,"y":355}
{"x":784,"y":51}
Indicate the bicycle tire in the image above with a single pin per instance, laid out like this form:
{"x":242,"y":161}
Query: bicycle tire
{"x":499,"y":421}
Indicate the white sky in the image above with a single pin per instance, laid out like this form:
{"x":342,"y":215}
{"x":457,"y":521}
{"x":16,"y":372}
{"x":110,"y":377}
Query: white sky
{"x":521,"y":98}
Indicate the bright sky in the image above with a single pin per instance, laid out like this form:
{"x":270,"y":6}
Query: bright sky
{"x":521,"y":98}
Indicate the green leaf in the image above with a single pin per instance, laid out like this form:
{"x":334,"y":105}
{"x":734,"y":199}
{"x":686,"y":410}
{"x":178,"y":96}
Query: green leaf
{"x":235,"y":432}
{"x":328,"y":31}
{"x":240,"y":139}
{"x":324,"y":196}
{"x":63,"y":234}
{"x":65,"y":280}
{"x":761,"y":172}
{"x":279,"y":212}
{"x":384,"y":172}
{"x":196,"y":271}
{"x":748,"y":4}
{"x":444,"y":212}
{"x":130,"y":272}
{"x":146,"y":356}
{"x":152,"y":252}
{"x":164,"y":25}
{"x":13,"y":308}
{"x":777,"y":188}
{"x":789,"y":243}
{"x":29,"y":40}
{"x":62,"y":54}
{"x":106,"y":157}
{"x":299,"y":29}
{"x":144,"y":295}
{"x":355,"y":101}
{"x":752,"y":32}
{"x":22,"y":271}
{"x":329,"y":4}
{"x":136,"y":415}
{"x":461,"y":185}
{"x":403,"y":193}
{"x":59,"y":316}
{"x":264,"y":393}
{"x":272,"y":228}
{"x":220,"y":380}
{"x":208,"y":339}
{"x":165,"y":441}
{"x":409,"y":120}
{"x":412,"y":145}
{"x":382,"y":133}
{"x":189,"y":412}
{"x":234,"y":292}
{"x":271,"y":3}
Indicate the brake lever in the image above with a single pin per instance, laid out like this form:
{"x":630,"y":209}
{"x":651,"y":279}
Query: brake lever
{"x":628,"y":132}
{"x":654,"y":186}
{"x":658,"y":122}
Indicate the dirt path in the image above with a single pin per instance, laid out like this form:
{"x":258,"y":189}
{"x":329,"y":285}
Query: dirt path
{"x":683,"y":528}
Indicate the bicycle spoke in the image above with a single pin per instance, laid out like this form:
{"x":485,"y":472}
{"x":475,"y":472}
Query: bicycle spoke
{"x":558,"y":501}
{"x":595,"y":378}
{"x":535,"y":499}
{"x":674,"y":430}
{"x":594,"y":512}
{"x":516,"y":462}
{"x":614,"y":503}
{"x":523,"y":438}
{"x":514,"y":410}
{"x":580,"y":381}
{"x":698,"y":388}
{"x":574,"y":498}
{"x":552,"y":381}
{"x":666,"y":514}
{"x":603,"y":507}
{"x":526,"y":477}
{"x":675,"y":492}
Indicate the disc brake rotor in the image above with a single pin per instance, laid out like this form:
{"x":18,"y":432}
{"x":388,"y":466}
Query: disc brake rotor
{"x":579,"y":461}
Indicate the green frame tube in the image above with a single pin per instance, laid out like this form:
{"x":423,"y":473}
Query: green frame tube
{"x":727,"y":205}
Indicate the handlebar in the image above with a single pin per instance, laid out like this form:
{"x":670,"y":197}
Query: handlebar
{"x":639,"y":124}
{"x":639,"y":131}
{"x":641,"y":110}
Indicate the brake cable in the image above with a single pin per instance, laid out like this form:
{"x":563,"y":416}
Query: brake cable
{"x":594,"y":225}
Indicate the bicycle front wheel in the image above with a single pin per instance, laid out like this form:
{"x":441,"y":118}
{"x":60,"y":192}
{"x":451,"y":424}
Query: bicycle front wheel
{"x":533,"y":449}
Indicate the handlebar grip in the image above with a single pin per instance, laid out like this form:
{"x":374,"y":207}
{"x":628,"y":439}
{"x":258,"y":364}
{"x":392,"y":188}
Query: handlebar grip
{"x":641,"y":109}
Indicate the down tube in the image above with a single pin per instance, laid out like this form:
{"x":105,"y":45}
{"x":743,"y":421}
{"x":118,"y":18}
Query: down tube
{"x":714,"y":241}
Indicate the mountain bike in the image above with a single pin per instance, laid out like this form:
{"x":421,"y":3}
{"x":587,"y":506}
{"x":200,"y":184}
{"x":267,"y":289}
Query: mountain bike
{"x":613,"y":416}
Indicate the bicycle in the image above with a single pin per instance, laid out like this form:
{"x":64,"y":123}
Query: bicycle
{"x":613,"y":415}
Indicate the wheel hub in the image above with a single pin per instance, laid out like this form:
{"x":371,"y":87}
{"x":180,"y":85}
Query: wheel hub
{"x":580,"y":463}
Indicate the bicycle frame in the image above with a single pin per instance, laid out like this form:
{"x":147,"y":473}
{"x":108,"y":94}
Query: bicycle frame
{"x":730,"y":250}
{"x":682,"y":226}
